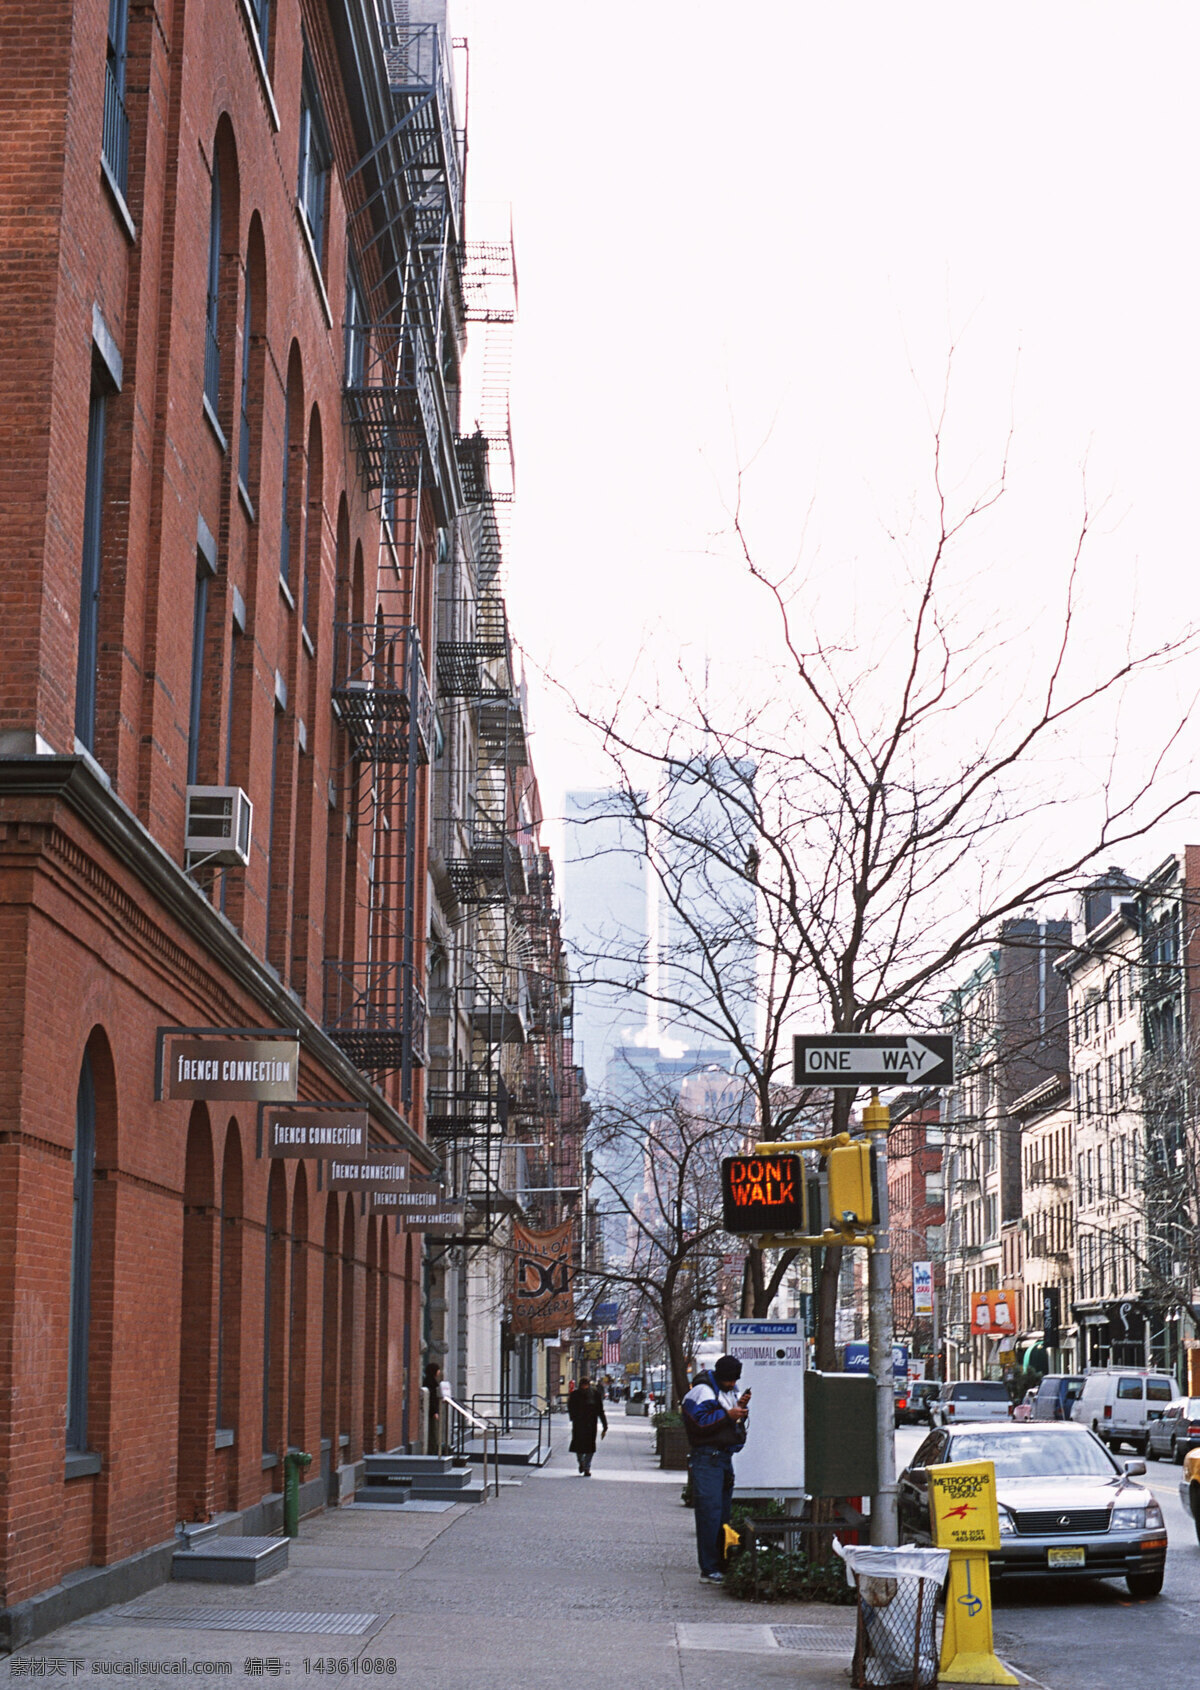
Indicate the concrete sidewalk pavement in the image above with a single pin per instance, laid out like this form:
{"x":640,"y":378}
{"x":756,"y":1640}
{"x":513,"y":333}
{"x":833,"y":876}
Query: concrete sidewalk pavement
{"x":561,"y":1580}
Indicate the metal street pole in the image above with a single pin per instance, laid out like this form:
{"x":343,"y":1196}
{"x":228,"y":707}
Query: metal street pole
{"x":937,"y":1348}
{"x":885,"y":1522}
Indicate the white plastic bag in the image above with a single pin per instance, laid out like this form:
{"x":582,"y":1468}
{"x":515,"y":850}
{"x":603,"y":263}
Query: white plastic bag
{"x":880,"y":1577}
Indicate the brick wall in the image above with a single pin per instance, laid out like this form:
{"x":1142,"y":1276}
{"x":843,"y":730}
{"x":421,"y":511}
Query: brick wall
{"x":88,"y":958}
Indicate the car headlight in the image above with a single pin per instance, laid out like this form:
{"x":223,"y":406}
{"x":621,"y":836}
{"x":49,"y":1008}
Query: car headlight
{"x":1008,"y":1526}
{"x":1154,"y":1518}
{"x":1130,"y":1519}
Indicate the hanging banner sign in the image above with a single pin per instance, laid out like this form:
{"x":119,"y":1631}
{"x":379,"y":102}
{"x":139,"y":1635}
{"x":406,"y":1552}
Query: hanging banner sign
{"x":922,"y":1275}
{"x":232,"y":1070}
{"x":416,"y":1197}
{"x":543,"y":1298}
{"x":446,"y":1217}
{"x":390,"y":1173}
{"x":993,"y":1313}
{"x":328,"y":1132}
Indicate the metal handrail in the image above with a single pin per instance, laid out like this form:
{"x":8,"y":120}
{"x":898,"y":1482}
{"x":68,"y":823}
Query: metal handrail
{"x":484,"y":1426}
{"x":520,"y":1412}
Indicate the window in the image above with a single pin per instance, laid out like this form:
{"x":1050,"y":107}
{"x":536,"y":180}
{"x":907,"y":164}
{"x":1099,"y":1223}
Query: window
{"x":285,"y":527}
{"x":212,"y":346}
{"x":87,"y":660}
{"x":114,"y":146}
{"x":199,"y":635}
{"x":356,"y":332}
{"x":84,"y":1162}
{"x":244,"y":406}
{"x":260,"y":16}
{"x":313,"y":179}
{"x":1130,"y":1390}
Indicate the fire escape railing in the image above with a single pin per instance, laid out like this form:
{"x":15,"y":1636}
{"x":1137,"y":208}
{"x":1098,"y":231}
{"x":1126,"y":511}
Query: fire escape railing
{"x":381,"y":690}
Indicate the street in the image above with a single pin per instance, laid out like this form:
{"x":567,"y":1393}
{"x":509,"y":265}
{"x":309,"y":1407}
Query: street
{"x":1089,"y":1634}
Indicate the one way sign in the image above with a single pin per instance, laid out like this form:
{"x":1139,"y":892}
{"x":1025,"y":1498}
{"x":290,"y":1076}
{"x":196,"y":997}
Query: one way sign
{"x":874,"y":1059}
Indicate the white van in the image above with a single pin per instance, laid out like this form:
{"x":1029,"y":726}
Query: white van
{"x":1118,"y":1402}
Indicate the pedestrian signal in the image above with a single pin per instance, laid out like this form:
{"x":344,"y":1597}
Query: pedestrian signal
{"x":851,"y":1203}
{"x":764,"y":1194}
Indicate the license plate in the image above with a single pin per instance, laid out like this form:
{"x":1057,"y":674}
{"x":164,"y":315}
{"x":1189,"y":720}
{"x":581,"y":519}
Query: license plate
{"x":1073,"y":1557}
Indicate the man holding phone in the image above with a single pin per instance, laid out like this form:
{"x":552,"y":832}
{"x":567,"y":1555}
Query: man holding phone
{"x":714,"y":1418}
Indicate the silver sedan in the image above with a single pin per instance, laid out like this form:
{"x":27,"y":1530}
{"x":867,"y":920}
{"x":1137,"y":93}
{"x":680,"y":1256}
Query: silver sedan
{"x":1067,"y":1507}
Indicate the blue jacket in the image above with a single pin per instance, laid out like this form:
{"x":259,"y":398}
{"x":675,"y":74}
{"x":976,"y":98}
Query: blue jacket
{"x":705,"y":1419}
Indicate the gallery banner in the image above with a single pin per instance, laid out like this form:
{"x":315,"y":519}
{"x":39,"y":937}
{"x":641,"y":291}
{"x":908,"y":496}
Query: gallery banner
{"x":543,"y":1299}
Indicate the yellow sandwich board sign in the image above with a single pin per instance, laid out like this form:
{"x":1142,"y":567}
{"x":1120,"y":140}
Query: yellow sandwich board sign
{"x":962,"y":1505}
{"x":964,"y":1520}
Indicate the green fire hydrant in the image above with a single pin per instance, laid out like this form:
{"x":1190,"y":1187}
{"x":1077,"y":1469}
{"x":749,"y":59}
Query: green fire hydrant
{"x":294,"y":1463}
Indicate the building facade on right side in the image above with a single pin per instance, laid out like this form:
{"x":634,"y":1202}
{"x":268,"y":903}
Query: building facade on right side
{"x":1009,"y":1017}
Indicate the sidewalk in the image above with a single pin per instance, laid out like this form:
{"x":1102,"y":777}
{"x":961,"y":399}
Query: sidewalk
{"x":561,"y":1583}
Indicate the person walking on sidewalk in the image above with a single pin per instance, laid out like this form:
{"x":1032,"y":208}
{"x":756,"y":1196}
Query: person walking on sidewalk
{"x":714,"y":1419}
{"x":585,"y":1406}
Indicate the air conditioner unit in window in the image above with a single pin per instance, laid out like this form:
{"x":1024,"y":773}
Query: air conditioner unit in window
{"x":218,"y":825}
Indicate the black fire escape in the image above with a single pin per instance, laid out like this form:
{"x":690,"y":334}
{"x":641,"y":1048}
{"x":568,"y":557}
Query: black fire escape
{"x":405,"y":239}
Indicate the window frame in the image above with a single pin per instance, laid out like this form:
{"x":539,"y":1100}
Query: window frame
{"x":83,"y":1165}
{"x":315,"y":161}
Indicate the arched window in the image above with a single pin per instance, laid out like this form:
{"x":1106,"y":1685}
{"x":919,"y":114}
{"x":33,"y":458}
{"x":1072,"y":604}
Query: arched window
{"x":84,"y":1163}
{"x":291,"y":474}
{"x":212,"y":344}
{"x":250,"y":395}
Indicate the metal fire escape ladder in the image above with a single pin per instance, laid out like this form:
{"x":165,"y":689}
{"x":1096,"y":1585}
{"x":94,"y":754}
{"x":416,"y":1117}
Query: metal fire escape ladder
{"x":413,"y":178}
{"x":375,"y":1009}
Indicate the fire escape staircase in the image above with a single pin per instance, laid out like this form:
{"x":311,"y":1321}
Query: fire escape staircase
{"x":375,"y":1009}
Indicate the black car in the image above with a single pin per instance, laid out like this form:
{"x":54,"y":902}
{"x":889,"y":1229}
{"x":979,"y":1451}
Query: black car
{"x":1067,"y":1507}
{"x":1176,"y":1431}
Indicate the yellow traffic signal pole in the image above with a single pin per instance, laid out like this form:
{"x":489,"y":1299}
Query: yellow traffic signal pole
{"x":850,"y":1204}
{"x":885,"y":1513}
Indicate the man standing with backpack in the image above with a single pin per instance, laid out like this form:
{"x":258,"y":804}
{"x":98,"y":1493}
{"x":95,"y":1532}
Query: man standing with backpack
{"x":714,"y":1418}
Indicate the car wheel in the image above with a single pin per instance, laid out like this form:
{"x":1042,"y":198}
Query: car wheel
{"x":1143,"y":1585}
{"x":1176,"y":1452}
{"x":1194,"y":1493}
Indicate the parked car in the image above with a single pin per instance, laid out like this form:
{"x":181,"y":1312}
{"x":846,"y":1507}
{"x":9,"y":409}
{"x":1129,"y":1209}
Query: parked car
{"x":1189,"y":1487}
{"x":972,"y":1399}
{"x":1057,"y":1395}
{"x":1118,"y":1404}
{"x":922,"y":1394}
{"x":1024,"y":1409}
{"x":1177,"y":1431}
{"x":1068,"y":1508}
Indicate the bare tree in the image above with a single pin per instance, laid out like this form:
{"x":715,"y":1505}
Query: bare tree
{"x":873,"y":809}
{"x":656,"y":1153}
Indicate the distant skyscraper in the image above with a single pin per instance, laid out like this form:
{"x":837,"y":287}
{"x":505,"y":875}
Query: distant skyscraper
{"x":667,"y":928}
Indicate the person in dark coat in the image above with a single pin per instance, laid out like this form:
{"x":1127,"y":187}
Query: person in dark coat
{"x":585,"y":1406}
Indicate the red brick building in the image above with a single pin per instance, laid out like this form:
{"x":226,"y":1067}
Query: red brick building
{"x":232,"y":324}
{"x":917,"y":1217}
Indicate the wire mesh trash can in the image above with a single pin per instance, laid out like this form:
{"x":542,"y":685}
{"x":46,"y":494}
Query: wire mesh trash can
{"x":896,"y":1637}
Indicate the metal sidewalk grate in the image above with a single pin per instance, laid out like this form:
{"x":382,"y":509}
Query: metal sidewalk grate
{"x":244,"y":1619}
{"x":816,"y":1639}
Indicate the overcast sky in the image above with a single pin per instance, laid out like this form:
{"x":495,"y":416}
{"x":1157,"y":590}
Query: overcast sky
{"x":751,"y":235}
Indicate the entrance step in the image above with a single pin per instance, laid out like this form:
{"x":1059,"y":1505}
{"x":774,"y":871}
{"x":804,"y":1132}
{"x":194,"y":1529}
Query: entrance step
{"x":232,"y":1560}
{"x":393,"y":1464}
{"x":382,"y":1493}
{"x":434,"y":1491}
{"x":515,"y":1451}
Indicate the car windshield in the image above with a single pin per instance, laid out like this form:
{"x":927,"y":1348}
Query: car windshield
{"x":980,"y":1390}
{"x":1035,"y":1454}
